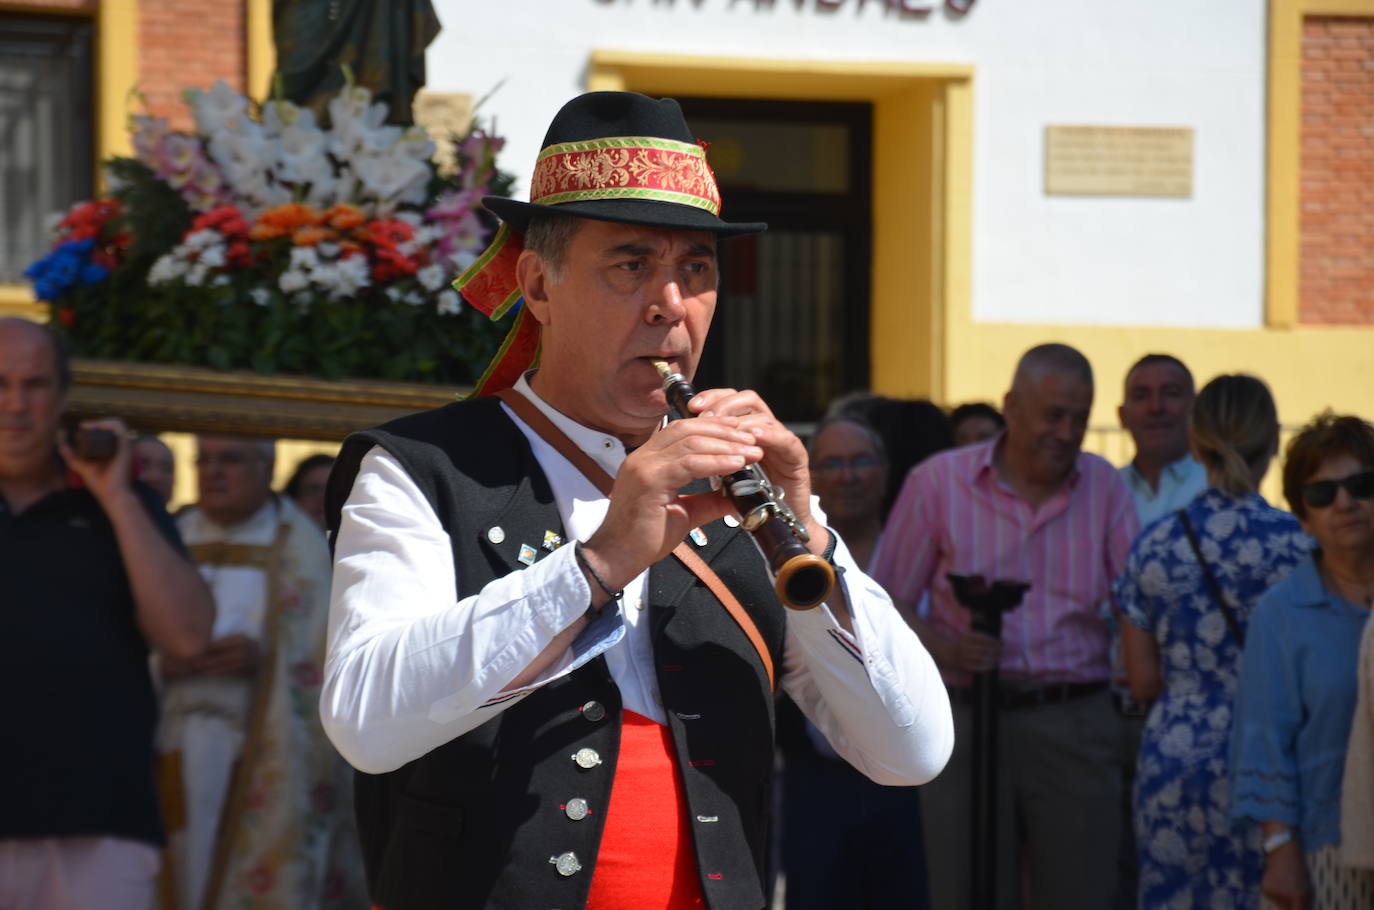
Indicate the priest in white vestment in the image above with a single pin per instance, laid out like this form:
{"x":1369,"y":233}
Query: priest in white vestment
{"x":257,"y":801}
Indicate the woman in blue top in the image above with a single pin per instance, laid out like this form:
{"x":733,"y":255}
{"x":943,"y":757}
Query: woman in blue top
{"x":1182,"y":650}
{"x":1298,"y":677}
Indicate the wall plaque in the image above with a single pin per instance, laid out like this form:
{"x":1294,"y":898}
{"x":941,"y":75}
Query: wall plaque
{"x":1118,"y":161}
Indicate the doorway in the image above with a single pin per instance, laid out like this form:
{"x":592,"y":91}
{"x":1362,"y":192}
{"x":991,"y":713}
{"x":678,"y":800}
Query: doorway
{"x":792,"y":320}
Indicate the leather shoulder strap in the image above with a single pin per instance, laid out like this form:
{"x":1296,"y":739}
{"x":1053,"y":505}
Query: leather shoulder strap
{"x":535,"y":419}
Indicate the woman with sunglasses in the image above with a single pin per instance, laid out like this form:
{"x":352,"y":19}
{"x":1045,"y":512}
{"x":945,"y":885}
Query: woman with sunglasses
{"x":1187,"y":591}
{"x":1298,"y":675}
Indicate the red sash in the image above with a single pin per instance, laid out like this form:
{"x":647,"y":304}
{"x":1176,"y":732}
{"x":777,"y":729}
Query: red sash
{"x":646,"y":860}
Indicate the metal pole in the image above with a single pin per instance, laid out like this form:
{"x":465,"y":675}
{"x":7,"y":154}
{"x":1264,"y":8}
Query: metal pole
{"x":987,"y":603}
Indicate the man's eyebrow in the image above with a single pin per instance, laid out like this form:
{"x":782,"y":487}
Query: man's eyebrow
{"x":629,"y":249}
{"x":639,"y":249}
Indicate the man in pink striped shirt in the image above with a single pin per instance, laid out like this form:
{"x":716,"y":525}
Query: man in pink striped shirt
{"x":1028,"y":505}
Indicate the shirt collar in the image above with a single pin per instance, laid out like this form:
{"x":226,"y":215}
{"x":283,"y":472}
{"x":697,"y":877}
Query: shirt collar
{"x":603,"y":448}
{"x":1306,"y":586}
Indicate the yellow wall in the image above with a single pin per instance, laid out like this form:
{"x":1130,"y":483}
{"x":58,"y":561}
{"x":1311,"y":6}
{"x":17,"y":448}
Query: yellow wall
{"x":924,"y":340}
{"x":922,"y":122}
{"x":1309,"y":368}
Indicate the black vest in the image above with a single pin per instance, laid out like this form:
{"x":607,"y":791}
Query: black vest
{"x":478,"y":821}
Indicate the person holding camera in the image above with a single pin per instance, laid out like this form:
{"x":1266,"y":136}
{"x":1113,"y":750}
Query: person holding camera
{"x":94,"y":575}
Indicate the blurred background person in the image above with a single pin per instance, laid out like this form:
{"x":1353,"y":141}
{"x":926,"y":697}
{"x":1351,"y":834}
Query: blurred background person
{"x":1183,"y":648}
{"x":306,"y":486}
{"x":1028,"y":505}
{"x":154,"y":465}
{"x":911,"y":430}
{"x":93,"y":575}
{"x":1298,"y":674}
{"x":262,"y":797}
{"x":846,"y":841}
{"x":1357,"y":784}
{"x":1163,"y":476}
{"x":974,"y":422}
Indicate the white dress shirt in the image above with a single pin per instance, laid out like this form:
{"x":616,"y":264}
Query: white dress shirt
{"x":409,"y":669}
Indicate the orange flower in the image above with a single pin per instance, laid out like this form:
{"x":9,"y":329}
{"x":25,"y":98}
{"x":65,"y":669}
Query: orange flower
{"x":309,"y":236}
{"x":283,"y":220}
{"x":342,"y":217}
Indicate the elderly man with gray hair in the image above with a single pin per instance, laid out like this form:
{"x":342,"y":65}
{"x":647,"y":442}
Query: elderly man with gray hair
{"x":257,"y":808}
{"x":1029,"y":506}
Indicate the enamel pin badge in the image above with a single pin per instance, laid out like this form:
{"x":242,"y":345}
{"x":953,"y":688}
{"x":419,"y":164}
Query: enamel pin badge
{"x":552,"y":541}
{"x":698,"y":537}
{"x":527,"y":554}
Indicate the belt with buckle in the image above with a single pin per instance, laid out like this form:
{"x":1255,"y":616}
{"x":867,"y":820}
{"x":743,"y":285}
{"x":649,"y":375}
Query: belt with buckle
{"x":1010,"y":699}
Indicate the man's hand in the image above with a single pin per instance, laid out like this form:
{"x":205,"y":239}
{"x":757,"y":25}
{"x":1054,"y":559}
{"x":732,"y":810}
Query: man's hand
{"x":1285,"y":880}
{"x":647,"y":517}
{"x":784,"y":457}
{"x":107,"y":479}
{"x":232,"y":655}
{"x":976,"y":652}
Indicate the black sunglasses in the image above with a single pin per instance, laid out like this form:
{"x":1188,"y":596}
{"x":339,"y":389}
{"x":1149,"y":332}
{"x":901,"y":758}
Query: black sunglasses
{"x":1321,"y":493}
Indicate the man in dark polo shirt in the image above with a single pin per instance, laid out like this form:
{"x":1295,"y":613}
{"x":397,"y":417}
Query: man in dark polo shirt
{"x":92,"y":575}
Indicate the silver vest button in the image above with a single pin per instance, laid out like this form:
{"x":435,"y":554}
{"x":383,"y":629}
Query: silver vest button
{"x":496,"y":534}
{"x":594,"y":711}
{"x":566,"y":864}
{"x":586,"y":758}
{"x":576,"y":809}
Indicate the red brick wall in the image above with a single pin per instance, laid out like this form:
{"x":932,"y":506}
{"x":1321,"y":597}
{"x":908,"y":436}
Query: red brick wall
{"x":189,"y":44}
{"x":1336,"y":271}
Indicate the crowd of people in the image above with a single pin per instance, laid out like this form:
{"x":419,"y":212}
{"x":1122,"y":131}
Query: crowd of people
{"x":558,"y":668}
{"x":1178,"y":686}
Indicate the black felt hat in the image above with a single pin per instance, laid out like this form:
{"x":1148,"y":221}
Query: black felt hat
{"x":624,"y":157}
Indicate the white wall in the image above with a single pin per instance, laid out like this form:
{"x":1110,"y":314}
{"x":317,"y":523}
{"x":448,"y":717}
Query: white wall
{"x":1189,"y":262}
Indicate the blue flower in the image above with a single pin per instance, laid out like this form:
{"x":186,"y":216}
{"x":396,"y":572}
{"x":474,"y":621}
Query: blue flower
{"x":68,"y":264}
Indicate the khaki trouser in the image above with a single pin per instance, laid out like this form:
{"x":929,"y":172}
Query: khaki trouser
{"x":1059,"y":785}
{"x":77,"y":873}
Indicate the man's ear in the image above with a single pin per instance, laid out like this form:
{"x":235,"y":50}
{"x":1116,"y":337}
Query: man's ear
{"x":533,"y":278}
{"x":1121,"y":416}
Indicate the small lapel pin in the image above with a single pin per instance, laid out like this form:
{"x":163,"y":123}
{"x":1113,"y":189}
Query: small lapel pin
{"x":698,"y":537}
{"x":552,"y":541}
{"x":732,"y":521}
{"x":527,"y":554}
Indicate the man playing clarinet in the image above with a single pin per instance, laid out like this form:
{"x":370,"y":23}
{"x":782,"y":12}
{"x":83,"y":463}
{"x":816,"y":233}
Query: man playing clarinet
{"x":552,"y":648}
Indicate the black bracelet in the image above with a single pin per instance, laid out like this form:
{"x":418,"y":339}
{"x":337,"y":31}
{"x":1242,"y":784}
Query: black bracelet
{"x":582,"y":561}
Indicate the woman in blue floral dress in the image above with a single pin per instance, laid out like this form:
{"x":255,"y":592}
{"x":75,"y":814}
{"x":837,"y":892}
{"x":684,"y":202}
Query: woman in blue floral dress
{"x":1182,"y":652}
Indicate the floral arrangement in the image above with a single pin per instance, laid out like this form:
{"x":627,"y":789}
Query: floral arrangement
{"x":271,"y":242}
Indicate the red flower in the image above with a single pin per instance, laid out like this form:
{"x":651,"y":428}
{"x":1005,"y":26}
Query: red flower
{"x":66,"y":316}
{"x":226,"y":219}
{"x":239,"y":254}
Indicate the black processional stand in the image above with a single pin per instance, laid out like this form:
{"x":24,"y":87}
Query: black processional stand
{"x":987,"y":603}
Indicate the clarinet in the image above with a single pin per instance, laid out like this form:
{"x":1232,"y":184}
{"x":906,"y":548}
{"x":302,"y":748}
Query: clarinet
{"x":801,"y":578}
